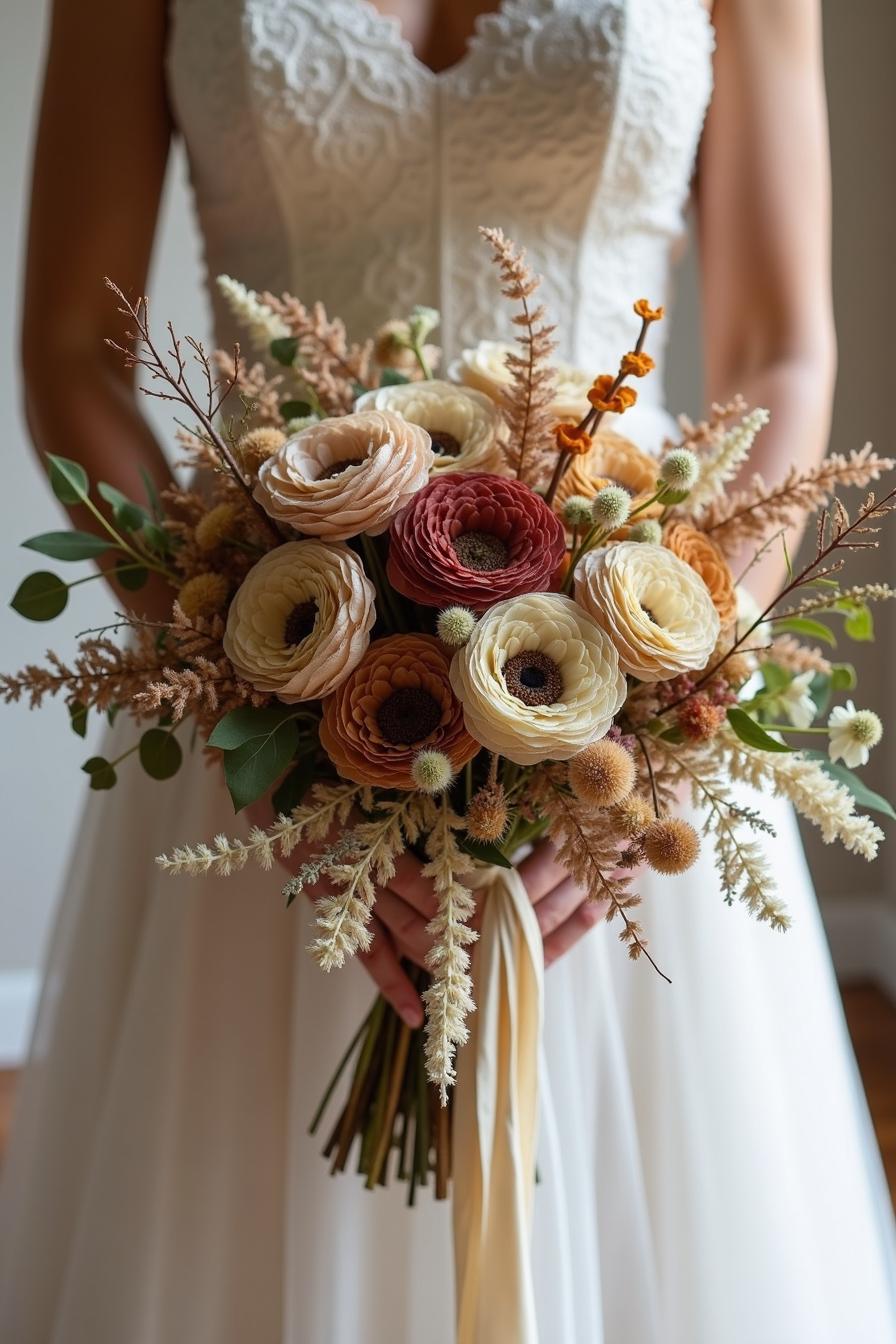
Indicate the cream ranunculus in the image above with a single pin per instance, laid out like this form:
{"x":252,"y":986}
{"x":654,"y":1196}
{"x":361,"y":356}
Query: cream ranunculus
{"x":657,"y":610}
{"x":301,"y":619}
{"x":345,"y":475}
{"x":484,"y":367}
{"x":538,"y":679}
{"x":462,"y":423}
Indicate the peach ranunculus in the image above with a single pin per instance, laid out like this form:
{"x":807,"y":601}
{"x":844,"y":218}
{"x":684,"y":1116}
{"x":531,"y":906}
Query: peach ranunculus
{"x":538,"y":679}
{"x":396,"y":703}
{"x":345,"y":475}
{"x":655,"y":608}
{"x":699,"y":551}
{"x":483,"y":366}
{"x":612,"y":460}
{"x":462,"y":423}
{"x":301,"y":620}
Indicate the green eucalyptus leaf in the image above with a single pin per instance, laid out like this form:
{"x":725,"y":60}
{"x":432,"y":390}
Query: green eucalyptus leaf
{"x":392,"y":378}
{"x":156,"y":538}
{"x":153,"y":497}
{"x":68,"y":480}
{"x":40,"y":597}
{"x":127,"y":514}
{"x":102,"y":773}
{"x":776,"y":678}
{"x":244,"y":724}
{"x":78,"y":716}
{"x":251,"y":769}
{"x":749,"y":731}
{"x":295,"y":410}
{"x":485,"y":852}
{"x":284,"y":350}
{"x":807,"y":628}
{"x":859,"y":623}
{"x":864,"y":796}
{"x":71,"y":545}
{"x":131,"y":576}
{"x":160,"y":753}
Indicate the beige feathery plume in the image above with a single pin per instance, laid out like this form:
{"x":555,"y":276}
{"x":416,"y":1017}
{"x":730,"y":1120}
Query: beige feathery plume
{"x":449,"y":998}
{"x":259,"y":390}
{"x":752,"y":514}
{"x":527,"y":403}
{"x":813,"y":792}
{"x":331,"y":366}
{"x":721,"y":463}
{"x":327,"y":804}
{"x":793,"y":656}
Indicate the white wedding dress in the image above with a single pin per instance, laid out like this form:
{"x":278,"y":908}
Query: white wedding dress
{"x":708,"y":1173}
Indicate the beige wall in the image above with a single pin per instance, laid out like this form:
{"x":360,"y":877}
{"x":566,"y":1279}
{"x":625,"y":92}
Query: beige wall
{"x":40,"y":783}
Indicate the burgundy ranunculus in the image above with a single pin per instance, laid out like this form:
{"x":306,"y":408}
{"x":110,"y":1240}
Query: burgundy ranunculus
{"x":474,"y":539}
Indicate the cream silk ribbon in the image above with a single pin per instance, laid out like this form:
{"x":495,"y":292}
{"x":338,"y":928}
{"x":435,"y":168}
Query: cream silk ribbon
{"x":495,"y":1121}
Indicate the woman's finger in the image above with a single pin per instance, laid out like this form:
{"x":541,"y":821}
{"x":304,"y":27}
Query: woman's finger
{"x":384,"y":968}
{"x":541,"y":872}
{"x":409,"y":883}
{"x":555,"y":908}
{"x":580,"y":922}
{"x":406,"y":925}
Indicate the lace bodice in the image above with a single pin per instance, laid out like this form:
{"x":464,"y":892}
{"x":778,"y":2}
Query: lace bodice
{"x":329,"y":160}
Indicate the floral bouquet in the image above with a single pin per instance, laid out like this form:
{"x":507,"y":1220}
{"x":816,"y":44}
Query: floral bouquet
{"x":453,"y":615}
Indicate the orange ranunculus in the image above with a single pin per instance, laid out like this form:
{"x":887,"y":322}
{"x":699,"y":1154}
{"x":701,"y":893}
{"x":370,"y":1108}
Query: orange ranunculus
{"x":396,"y":703}
{"x":646,"y":313}
{"x":699,"y":551}
{"x":613,"y":460}
{"x":572,"y":439}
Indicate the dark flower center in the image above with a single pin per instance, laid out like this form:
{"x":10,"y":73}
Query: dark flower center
{"x":300,"y":622}
{"x":480,"y":550}
{"x":649,"y":614}
{"x":533,"y":678}
{"x":408,"y":715}
{"x":339,"y":467}
{"x":443,"y":443}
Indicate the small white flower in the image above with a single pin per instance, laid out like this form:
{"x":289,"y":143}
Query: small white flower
{"x":680,"y":469}
{"x":648,"y":529}
{"x":261,"y":322}
{"x":796,"y":702}
{"x":853,"y":732}
{"x":611,"y":507}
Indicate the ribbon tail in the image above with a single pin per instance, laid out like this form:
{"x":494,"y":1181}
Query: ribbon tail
{"x":495,"y":1122}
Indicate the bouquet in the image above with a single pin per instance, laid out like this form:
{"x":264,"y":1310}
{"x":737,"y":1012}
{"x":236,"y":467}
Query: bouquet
{"x":451,"y":615}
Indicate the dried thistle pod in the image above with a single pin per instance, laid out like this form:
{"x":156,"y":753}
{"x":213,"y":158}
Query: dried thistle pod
{"x":203,"y":595}
{"x":258,"y":445}
{"x":603,"y":774}
{"x":671,"y":845}
{"x":633,"y":815}
{"x":487,"y":814}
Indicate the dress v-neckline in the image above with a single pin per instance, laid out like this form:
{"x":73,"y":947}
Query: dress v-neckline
{"x":392,"y":24}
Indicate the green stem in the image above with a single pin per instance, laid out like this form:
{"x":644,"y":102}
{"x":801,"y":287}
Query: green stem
{"x":387,"y":604}
{"x":421,"y":360}
{"x":144,"y":561}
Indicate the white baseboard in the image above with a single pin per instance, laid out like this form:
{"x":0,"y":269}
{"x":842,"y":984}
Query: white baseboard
{"x":862,"y":934}
{"x":19,"y":992}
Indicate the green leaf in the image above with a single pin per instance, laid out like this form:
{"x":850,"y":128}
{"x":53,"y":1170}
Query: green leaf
{"x":78,"y":716}
{"x":156,"y":538}
{"x":859,"y":623}
{"x":776,"y":678}
{"x":68,"y":479}
{"x":160,"y":753}
{"x":284,"y":349}
{"x":486,"y":853}
{"x":131,"y":576}
{"x":749,"y":731}
{"x":152,"y":495}
{"x":102,"y":773}
{"x":250,"y":770}
{"x":40,"y":597}
{"x":296,"y":784}
{"x":843,"y":677}
{"x":68,"y":545}
{"x":127,"y":514}
{"x":392,"y":378}
{"x":295,"y":410}
{"x":242,"y":725}
{"x":809,"y":629}
{"x":112,"y":713}
{"x":864,"y":796}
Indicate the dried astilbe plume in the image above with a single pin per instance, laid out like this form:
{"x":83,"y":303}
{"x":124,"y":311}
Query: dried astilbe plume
{"x":331,"y":366}
{"x":449,"y":998}
{"x":527,"y":404}
{"x":705,"y":435}
{"x":327,"y":805}
{"x":788,"y":652}
{"x":748,"y":515}
{"x":101,"y":675}
{"x":259,"y":391}
{"x":721,"y":463}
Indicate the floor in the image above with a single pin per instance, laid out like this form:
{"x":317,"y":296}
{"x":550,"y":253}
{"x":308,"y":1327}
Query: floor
{"x":872,"y":1022}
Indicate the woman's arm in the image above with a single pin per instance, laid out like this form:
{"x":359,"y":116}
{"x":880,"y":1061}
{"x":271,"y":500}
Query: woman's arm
{"x":764,"y":223}
{"x":99,"y":164}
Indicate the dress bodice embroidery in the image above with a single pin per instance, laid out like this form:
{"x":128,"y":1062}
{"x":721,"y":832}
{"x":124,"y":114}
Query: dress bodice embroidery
{"x":326,"y":158}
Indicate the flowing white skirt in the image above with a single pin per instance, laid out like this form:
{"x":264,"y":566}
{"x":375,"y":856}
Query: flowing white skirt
{"x":708,"y":1174}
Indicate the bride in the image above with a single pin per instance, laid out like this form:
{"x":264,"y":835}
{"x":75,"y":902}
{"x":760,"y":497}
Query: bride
{"x":707,"y":1169}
